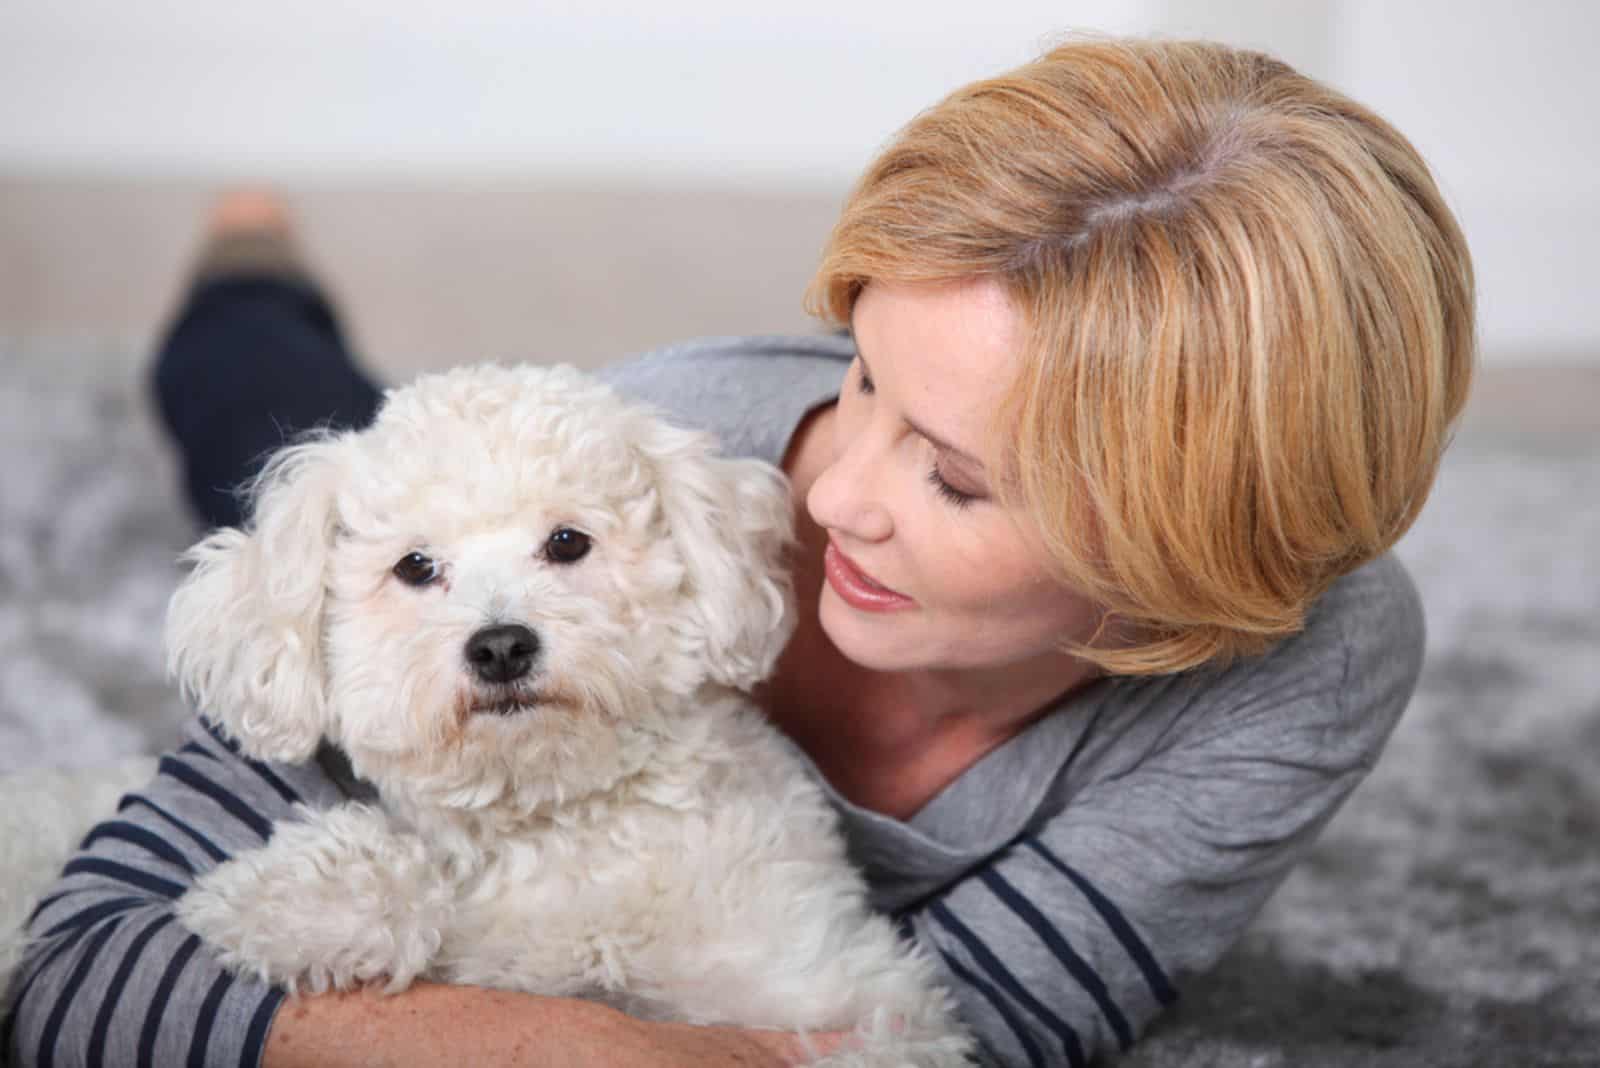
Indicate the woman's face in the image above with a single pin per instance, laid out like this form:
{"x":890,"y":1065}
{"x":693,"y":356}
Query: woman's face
{"x":926,"y":569}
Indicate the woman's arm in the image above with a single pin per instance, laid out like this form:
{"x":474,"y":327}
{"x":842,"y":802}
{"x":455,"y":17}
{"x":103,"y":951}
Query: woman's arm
{"x":108,"y":972}
{"x":433,"y":1024}
{"x":1066,"y":944}
{"x":111,"y":977}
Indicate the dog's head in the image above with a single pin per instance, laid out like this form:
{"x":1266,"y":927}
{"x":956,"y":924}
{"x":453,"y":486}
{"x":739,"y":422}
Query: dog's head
{"x":495,"y":593}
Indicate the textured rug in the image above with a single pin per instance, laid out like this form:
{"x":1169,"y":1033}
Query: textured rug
{"x":1450,"y":916}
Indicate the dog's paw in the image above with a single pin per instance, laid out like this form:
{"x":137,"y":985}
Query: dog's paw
{"x":334,"y":903}
{"x":244,"y":928}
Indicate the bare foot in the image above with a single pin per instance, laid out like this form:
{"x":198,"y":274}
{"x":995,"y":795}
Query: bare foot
{"x":250,"y":232}
{"x":249,"y":211}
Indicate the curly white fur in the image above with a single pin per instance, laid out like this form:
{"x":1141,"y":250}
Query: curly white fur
{"x":621,"y":824}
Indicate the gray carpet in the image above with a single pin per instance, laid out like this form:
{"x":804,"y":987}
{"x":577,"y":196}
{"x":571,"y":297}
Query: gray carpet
{"x":1450,"y":916}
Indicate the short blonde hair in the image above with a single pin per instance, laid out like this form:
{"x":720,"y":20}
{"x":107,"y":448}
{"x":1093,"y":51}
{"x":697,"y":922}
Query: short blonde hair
{"x":1249,"y":317}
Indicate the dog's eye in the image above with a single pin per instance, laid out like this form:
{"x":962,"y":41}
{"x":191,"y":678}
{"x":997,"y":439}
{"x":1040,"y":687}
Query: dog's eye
{"x":415,"y":569}
{"x":566,"y":546}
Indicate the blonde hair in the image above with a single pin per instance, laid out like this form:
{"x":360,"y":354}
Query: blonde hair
{"x":1249,"y":316}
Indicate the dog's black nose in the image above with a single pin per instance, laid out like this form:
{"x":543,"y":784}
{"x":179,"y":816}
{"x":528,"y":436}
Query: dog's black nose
{"x":502,"y":653}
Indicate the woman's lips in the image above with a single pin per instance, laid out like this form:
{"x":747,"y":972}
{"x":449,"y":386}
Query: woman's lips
{"x":855,"y":587}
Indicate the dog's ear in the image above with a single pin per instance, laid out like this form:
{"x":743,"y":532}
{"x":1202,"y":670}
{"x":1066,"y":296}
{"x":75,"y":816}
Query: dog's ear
{"x":732,"y":523}
{"x":244,"y":630}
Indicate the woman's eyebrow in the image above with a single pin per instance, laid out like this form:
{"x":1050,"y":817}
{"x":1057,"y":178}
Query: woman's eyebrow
{"x":956,"y":453}
{"x":959,"y":455}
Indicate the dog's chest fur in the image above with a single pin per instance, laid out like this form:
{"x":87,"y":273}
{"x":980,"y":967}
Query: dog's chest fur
{"x":642,"y":892}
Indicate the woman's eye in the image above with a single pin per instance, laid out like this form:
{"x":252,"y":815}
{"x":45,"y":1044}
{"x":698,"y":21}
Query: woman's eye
{"x":567,"y":546}
{"x":863,"y":381}
{"x":415,"y":569}
{"x":959,"y":498}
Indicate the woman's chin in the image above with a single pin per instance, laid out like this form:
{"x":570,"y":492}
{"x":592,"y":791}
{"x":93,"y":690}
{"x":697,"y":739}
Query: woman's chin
{"x":879,"y":641}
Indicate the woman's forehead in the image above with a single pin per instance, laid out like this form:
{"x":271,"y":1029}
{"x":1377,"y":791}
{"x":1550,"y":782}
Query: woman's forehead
{"x":948,"y":353}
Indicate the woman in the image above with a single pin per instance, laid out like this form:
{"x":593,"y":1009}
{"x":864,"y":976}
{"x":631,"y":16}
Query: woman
{"x":1155,"y":348}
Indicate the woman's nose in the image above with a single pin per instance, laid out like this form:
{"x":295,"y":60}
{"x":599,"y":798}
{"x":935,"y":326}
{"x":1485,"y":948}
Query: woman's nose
{"x":847,"y":496}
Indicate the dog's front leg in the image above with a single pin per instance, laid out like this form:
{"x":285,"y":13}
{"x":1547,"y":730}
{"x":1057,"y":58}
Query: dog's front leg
{"x":335,"y":901}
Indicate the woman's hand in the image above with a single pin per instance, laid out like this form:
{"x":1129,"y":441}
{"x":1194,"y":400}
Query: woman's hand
{"x":431,"y":1024}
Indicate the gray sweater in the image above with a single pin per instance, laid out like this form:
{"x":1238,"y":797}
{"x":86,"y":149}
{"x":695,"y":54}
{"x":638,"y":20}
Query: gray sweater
{"x":1070,"y":882}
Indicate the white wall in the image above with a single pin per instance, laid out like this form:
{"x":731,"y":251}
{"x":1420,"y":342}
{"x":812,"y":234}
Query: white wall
{"x":676,"y":91}
{"x":1501,"y":100}
{"x":1496,"y":95}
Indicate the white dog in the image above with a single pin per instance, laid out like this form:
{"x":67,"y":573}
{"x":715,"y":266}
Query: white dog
{"x":528,"y":612}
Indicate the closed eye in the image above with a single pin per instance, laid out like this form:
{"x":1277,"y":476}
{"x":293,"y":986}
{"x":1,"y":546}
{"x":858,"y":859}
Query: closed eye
{"x":959,"y":498}
{"x":950,"y":494}
{"x":864,"y":384}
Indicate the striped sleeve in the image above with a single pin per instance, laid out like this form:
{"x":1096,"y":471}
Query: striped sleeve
{"x":109,"y":976}
{"x":1066,"y":944}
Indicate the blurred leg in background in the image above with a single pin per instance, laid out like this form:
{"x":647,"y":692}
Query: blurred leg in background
{"x":254,"y":356}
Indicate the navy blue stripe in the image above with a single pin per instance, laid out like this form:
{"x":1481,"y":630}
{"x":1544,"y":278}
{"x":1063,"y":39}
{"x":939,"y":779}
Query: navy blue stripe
{"x":96,"y":913}
{"x":229,"y":801}
{"x":69,"y":992}
{"x":123,"y":831}
{"x":199,"y":750}
{"x":1157,"y":980}
{"x":207,"y":1020}
{"x":158,"y":1002}
{"x":45,"y":903}
{"x":27,"y":985}
{"x":108,"y":1004}
{"x":255,"y":1036}
{"x":985,"y":959}
{"x":212,"y":850}
{"x":1075,"y":965}
{"x":268,"y":776}
{"x":994,"y":997}
{"x":123,"y":874}
{"x":222,"y":739}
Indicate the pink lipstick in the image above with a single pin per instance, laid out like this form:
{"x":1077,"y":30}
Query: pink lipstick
{"x":856,"y":588}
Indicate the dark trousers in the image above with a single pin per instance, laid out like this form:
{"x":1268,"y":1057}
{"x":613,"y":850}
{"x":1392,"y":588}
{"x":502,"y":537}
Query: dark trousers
{"x":249,"y":362}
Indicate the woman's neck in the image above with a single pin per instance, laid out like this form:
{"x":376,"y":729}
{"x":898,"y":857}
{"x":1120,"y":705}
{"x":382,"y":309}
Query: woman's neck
{"x":891,"y":741}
